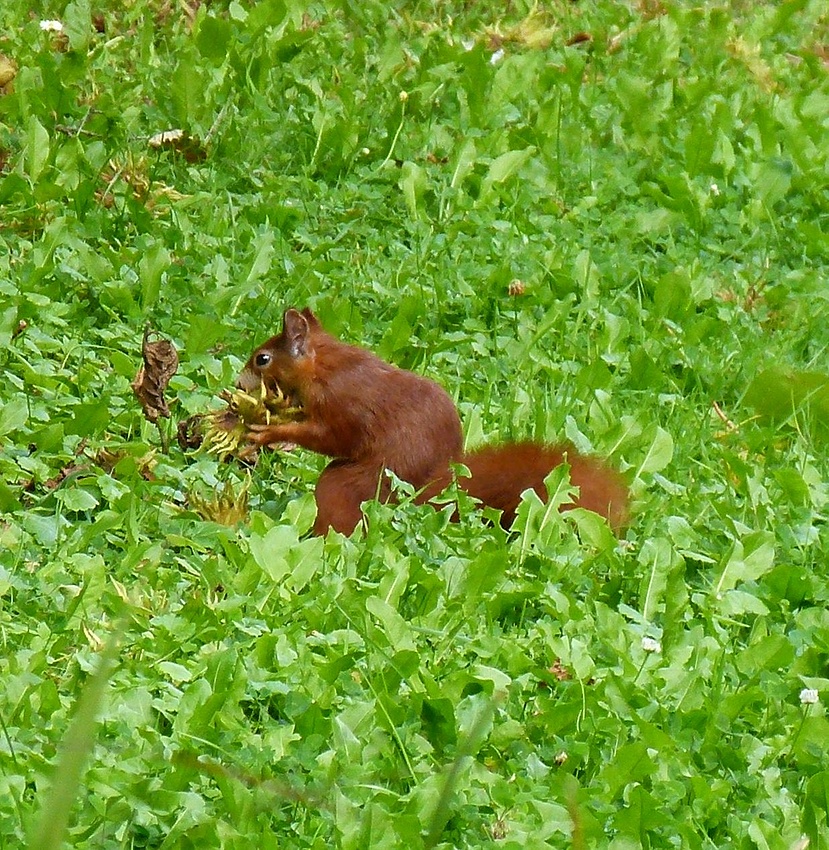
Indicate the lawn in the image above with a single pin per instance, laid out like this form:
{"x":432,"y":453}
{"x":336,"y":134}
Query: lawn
{"x":602,"y":222}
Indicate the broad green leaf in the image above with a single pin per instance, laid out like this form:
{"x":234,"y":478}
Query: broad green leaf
{"x":37,"y":149}
{"x":203,"y":333}
{"x":810,"y":741}
{"x":658,"y":454}
{"x":724,"y":154}
{"x":738,"y":603}
{"x":539,"y":521}
{"x":781,"y":394}
{"x":9,"y":498}
{"x":630,"y":764}
{"x":413,"y":184}
{"x":773,"y":181}
{"x":394,"y":626}
{"x":593,"y":529}
{"x":499,"y":680}
{"x":8,"y":321}
{"x":478,"y":576}
{"x":672,"y":296}
{"x":187,"y":87}
{"x":587,"y":277}
{"x":658,"y":559}
{"x":89,"y":418}
{"x":45,"y":529}
{"x":271,"y":550}
{"x":263,"y":247}
{"x":793,"y":485}
{"x":268,"y":13}
{"x":465,"y":162}
{"x":475,"y":716}
{"x":655,"y":221}
{"x":78,"y":499}
{"x":747,"y":561}
{"x":155,"y":260}
{"x":301,"y":513}
{"x":503,"y":168}
{"x":77,"y":20}
{"x":560,"y":489}
{"x":305,"y":560}
{"x":699,"y":149}
{"x":177,"y":672}
{"x":13,"y":414}
{"x":213,"y":38}
{"x":770,"y":653}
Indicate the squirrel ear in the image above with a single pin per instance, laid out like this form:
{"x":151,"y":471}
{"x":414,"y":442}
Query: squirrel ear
{"x":296,"y":331}
{"x":313,"y":321}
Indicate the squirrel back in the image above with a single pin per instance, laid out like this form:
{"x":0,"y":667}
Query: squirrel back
{"x":369,"y":416}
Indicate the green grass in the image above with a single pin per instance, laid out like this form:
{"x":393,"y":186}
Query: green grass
{"x":655,"y":175}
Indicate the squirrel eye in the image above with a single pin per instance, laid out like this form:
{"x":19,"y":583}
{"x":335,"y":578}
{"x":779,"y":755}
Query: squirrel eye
{"x":262,"y":359}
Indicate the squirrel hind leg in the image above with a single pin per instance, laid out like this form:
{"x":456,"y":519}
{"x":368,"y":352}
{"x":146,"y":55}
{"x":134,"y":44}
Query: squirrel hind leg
{"x":340,"y":491}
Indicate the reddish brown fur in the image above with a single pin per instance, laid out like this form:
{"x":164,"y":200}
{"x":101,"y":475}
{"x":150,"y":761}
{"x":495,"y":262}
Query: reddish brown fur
{"x":501,"y":473}
{"x":358,"y":409}
{"x":369,"y":415}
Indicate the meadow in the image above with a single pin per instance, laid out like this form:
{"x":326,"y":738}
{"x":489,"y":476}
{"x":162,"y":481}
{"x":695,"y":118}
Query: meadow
{"x":602,"y":222}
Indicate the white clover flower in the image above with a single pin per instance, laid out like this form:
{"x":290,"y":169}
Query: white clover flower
{"x":651,"y":645}
{"x":496,"y":57}
{"x":715,"y":190}
{"x":51,"y":26}
{"x":808,"y":696}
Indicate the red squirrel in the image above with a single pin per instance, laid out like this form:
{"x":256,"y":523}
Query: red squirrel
{"x":369,"y":416}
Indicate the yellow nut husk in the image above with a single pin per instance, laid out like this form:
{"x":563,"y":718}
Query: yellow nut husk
{"x":227,"y":429}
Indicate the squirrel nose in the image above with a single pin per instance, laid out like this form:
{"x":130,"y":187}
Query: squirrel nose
{"x":248,"y":381}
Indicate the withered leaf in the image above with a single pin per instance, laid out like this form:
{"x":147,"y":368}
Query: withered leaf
{"x":63,"y":474}
{"x":190,"y":432}
{"x":160,"y":364}
{"x":181,"y":142}
{"x":8,"y":71}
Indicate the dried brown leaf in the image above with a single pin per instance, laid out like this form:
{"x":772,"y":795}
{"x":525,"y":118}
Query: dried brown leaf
{"x":160,"y":364}
{"x":8,"y":71}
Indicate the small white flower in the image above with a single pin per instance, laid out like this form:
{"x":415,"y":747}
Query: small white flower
{"x":715,"y":190}
{"x":51,"y":26}
{"x":467,"y":43}
{"x":496,"y":57}
{"x":808,"y":696}
{"x":651,"y":645}
{"x":404,"y":96}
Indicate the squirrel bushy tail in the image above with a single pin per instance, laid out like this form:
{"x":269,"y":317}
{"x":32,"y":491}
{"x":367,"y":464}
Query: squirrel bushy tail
{"x":499,"y":474}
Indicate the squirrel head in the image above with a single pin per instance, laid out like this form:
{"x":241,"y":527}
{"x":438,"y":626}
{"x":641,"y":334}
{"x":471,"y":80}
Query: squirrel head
{"x":284,"y":361}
